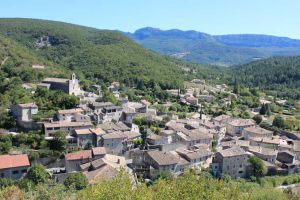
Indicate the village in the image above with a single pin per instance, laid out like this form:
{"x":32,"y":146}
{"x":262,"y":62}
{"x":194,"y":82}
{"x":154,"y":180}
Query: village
{"x":104,"y":138}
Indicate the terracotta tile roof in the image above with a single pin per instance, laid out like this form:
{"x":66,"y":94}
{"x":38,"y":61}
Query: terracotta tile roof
{"x":97,"y":131}
{"x":83,"y":131}
{"x":79,"y":155}
{"x":13,"y":161}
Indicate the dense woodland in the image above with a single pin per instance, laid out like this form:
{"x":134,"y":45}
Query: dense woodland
{"x":280,"y":75}
{"x":188,"y":186}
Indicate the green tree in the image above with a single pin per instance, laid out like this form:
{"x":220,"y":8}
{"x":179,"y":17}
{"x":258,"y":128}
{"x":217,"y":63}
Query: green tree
{"x":268,"y":110}
{"x":37,"y":174}
{"x":291,"y":122}
{"x":5,"y":144}
{"x":257,"y":118}
{"x":263,"y":110}
{"x":278,"y":121}
{"x":236,"y":88}
{"x":76,"y":180}
{"x":259,"y":169}
{"x":59,"y":141}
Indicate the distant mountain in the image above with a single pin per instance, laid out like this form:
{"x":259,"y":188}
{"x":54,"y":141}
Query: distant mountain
{"x":200,"y":47}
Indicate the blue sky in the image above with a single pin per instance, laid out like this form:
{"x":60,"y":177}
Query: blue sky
{"x":274,"y":17}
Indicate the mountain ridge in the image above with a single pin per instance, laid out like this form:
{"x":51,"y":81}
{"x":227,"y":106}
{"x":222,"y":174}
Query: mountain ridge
{"x":204,"y":48}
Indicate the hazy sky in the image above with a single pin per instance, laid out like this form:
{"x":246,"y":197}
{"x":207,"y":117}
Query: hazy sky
{"x":275,"y":17}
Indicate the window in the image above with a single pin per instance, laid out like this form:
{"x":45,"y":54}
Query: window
{"x":15,"y":172}
{"x":2,"y":175}
{"x":24,"y":171}
{"x":240,"y":172}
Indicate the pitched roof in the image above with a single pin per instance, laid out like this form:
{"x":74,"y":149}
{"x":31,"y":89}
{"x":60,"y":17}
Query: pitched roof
{"x":79,"y":155}
{"x":13,"y":161}
{"x":28,"y":105}
{"x":107,"y":126}
{"x":242,"y":122}
{"x":222,"y":118}
{"x":97,"y":131}
{"x":99,"y":151}
{"x":114,"y":135}
{"x":194,"y":154}
{"x":163,"y":158}
{"x":131,"y":134}
{"x":83,"y":131}
{"x":70,"y":111}
{"x":66,"y":124}
{"x":56,"y":80}
{"x":262,"y":151}
{"x":234,"y":151}
{"x":258,"y":130}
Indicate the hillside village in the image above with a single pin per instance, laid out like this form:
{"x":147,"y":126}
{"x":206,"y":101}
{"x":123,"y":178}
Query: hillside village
{"x":144,"y":139}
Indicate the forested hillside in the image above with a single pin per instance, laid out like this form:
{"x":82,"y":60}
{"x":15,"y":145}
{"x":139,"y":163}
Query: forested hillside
{"x":98,"y":54}
{"x":200,"y":47}
{"x":280,"y":74}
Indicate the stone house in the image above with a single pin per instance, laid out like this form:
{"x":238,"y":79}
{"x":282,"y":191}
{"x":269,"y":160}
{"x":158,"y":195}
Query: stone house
{"x":195,"y":157}
{"x":235,"y":127}
{"x":23,"y":113}
{"x":222,"y":119}
{"x":98,"y":106}
{"x":65,"y":126}
{"x":232,"y":162}
{"x":110,"y":113}
{"x":265,"y":154}
{"x":13,"y":166}
{"x":72,"y":115}
{"x":169,"y":134}
{"x":191,"y":137}
{"x":69,"y":86}
{"x":114,"y":142}
{"x":256,"y":131}
{"x":98,"y":152}
{"x":154,"y":139}
{"x":272,"y":143}
{"x":159,"y":162}
{"x":128,"y":115}
{"x":74,"y":160}
{"x":119,"y":142}
{"x":85,"y":138}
